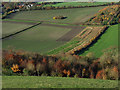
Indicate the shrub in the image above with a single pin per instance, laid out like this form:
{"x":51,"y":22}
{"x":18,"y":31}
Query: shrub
{"x":44,"y":74}
{"x":109,"y":58}
{"x":58,"y":66}
{"x":25,"y":72}
{"x":112,"y":73}
{"x":76,"y":76}
{"x":59,"y":17}
{"x":53,"y":73}
{"x":51,"y":64}
{"x":30,"y":66}
{"x":101,"y":75}
{"x":40,"y":68}
{"x":7,"y":72}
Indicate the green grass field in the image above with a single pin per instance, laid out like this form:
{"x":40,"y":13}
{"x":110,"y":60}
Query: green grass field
{"x":55,"y":82}
{"x":108,"y":39}
{"x":74,"y":4}
{"x":75,"y":15}
{"x":9,"y":28}
{"x":37,"y":39}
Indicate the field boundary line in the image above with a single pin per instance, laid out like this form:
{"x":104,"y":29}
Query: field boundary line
{"x":20,"y":31}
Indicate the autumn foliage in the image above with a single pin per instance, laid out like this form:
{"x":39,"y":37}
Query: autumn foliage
{"x":106,"y":16}
{"x":78,"y":66}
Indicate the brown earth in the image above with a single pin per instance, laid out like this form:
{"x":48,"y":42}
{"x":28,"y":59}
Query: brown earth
{"x":68,"y":36}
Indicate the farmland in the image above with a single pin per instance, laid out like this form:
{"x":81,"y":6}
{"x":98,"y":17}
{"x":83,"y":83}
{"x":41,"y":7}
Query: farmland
{"x":80,"y":41}
{"x":44,"y":39}
{"x":12,"y":28}
{"x":73,"y":15}
{"x":73,"y":4}
{"x":54,"y":47}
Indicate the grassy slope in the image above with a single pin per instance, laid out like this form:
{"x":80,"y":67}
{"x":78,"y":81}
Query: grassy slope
{"x":9,"y":28}
{"x":108,"y":39}
{"x":37,"y":39}
{"x":55,"y":82}
{"x":73,"y":15}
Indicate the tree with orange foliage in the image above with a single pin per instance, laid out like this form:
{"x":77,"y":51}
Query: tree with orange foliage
{"x":15,"y":68}
{"x":44,"y":60}
{"x":68,"y":73}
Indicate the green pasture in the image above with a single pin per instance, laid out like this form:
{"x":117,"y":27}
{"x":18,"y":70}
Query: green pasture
{"x":66,"y":4}
{"x":37,"y":39}
{"x":55,"y":82}
{"x":10,"y":28}
{"x":75,"y":15}
{"x":107,"y":40}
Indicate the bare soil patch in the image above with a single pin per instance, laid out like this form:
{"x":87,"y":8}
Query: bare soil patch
{"x":68,"y":36}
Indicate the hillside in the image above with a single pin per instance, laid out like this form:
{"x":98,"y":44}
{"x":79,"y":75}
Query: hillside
{"x":108,"y":39}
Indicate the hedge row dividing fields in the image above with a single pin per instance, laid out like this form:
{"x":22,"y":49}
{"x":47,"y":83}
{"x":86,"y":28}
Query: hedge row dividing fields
{"x":19,"y":31}
{"x":82,"y":40}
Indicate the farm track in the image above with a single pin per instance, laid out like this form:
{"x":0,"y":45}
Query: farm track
{"x":68,"y":36}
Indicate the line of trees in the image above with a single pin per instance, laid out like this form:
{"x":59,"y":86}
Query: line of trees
{"x":63,"y":65}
